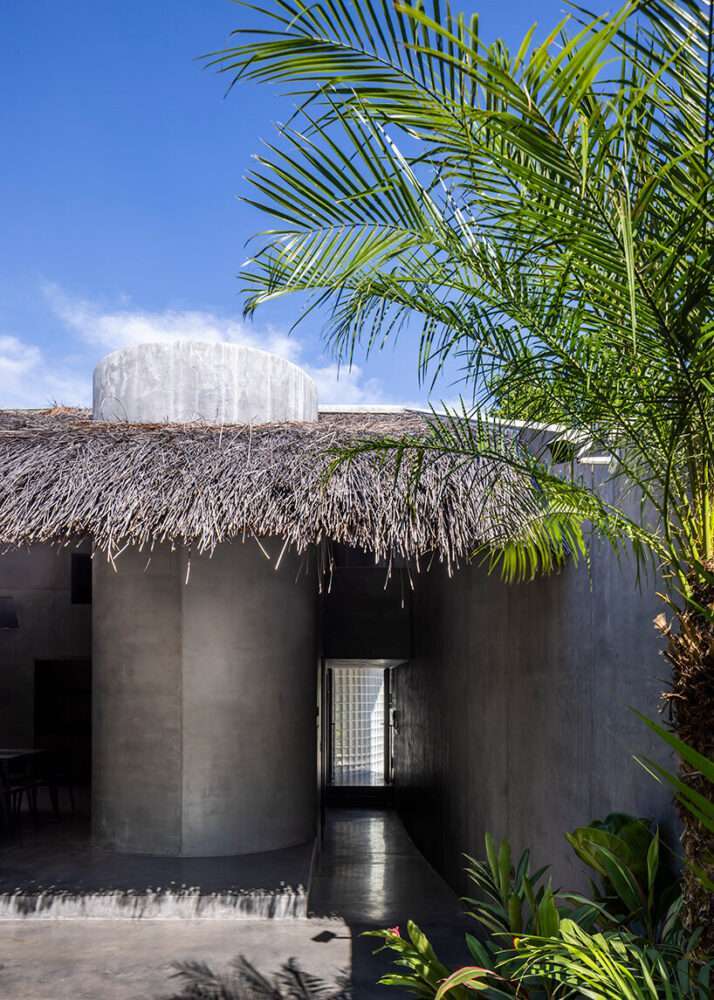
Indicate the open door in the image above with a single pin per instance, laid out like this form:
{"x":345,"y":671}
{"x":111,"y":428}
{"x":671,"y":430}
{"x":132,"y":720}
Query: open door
{"x":358,"y":738}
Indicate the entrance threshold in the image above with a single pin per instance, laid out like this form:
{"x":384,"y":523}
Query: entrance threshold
{"x":359,"y":796}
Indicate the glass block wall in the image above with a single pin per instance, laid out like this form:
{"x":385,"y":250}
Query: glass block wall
{"x":358,"y":726}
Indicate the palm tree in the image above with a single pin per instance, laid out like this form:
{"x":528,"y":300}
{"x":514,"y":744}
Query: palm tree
{"x":545,"y":215}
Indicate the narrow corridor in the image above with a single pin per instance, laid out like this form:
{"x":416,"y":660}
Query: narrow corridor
{"x":371,"y":875}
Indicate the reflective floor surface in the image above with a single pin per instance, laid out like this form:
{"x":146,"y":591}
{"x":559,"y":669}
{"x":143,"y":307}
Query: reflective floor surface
{"x":369,"y":875}
{"x":369,"y":871}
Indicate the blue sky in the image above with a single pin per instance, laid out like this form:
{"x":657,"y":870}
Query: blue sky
{"x":122,"y":163}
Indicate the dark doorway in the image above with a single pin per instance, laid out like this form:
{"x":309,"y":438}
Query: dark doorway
{"x":358,"y":738}
{"x":63,"y":716}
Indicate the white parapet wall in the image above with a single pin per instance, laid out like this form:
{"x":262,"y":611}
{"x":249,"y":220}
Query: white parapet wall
{"x":186,"y":381}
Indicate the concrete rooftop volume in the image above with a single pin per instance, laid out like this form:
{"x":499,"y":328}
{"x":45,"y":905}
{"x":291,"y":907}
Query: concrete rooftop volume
{"x":186,"y":381}
{"x":204,"y":707}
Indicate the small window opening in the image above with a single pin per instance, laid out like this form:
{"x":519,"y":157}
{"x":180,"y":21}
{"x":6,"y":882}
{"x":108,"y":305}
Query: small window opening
{"x":8,"y":613}
{"x":81,"y":578}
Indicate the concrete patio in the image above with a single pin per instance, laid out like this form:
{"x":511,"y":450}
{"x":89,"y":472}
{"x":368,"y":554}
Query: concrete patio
{"x":369,"y":875}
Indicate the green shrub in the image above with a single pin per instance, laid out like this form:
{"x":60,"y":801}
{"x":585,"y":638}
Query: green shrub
{"x":626,"y":942}
{"x":634,"y":888}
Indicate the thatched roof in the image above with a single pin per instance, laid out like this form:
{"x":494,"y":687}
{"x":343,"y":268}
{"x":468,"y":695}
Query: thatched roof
{"x":64,"y":476}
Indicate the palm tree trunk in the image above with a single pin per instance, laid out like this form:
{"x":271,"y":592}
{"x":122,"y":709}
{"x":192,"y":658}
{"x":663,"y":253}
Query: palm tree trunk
{"x":690,"y":650}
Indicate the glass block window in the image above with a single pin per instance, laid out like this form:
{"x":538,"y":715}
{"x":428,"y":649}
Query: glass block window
{"x":358,"y":726}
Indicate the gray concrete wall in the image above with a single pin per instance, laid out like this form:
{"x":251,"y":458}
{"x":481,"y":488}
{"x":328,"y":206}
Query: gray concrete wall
{"x":137,"y":702}
{"x":367,"y":616}
{"x":50,"y":628}
{"x":249,"y":710}
{"x":514,"y":712}
{"x":204,"y":702}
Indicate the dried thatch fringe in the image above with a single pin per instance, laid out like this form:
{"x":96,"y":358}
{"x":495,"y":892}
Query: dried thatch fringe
{"x":64,"y":476}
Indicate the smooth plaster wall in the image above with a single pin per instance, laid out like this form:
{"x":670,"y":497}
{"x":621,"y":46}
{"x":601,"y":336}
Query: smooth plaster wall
{"x":50,"y":628}
{"x":204,"y":702}
{"x":513,"y":714}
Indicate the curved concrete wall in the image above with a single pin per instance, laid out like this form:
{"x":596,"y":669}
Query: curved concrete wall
{"x":204,"y":702}
{"x":187,"y":381}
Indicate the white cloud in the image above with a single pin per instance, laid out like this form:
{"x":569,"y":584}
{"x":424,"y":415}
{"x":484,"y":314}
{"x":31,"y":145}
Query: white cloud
{"x":29,"y":378}
{"x":340,"y":385}
{"x":111,"y":329}
{"x":17,"y":359}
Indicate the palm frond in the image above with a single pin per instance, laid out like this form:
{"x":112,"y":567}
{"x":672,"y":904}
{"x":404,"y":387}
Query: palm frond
{"x":558,"y":512}
{"x":543,"y":216}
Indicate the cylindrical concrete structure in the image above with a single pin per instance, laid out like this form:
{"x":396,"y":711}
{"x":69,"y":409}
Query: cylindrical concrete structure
{"x":204,"y":702}
{"x":204,"y":690}
{"x":185,"y":381}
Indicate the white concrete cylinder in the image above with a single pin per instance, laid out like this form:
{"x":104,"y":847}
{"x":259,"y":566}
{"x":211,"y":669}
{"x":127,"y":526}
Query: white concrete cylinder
{"x":204,"y":729}
{"x":204,"y":692}
{"x":217,"y":383}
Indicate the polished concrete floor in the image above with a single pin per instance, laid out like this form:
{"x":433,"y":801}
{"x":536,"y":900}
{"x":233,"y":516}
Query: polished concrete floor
{"x":369,"y":875}
{"x":370,"y":872}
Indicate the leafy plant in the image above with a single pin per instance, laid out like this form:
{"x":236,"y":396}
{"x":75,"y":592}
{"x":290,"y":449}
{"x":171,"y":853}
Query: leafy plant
{"x":629,"y":936}
{"x":242,"y":981}
{"x":700,"y":807}
{"x":545,"y":216}
{"x":420,"y":970}
{"x":422,"y":974}
{"x":512,"y":901}
{"x":635,"y":890}
{"x":570,"y":962}
{"x":612,"y":967}
{"x":516,"y":900}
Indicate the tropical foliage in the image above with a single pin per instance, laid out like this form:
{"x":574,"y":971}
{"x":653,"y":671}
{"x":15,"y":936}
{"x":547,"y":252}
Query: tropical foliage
{"x":633,"y":884}
{"x":692,"y":801}
{"x":611,"y":967}
{"x":512,"y":899}
{"x":624,"y":942}
{"x":545,"y":216}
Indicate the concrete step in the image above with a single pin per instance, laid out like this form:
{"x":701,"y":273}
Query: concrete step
{"x":55,"y":871}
